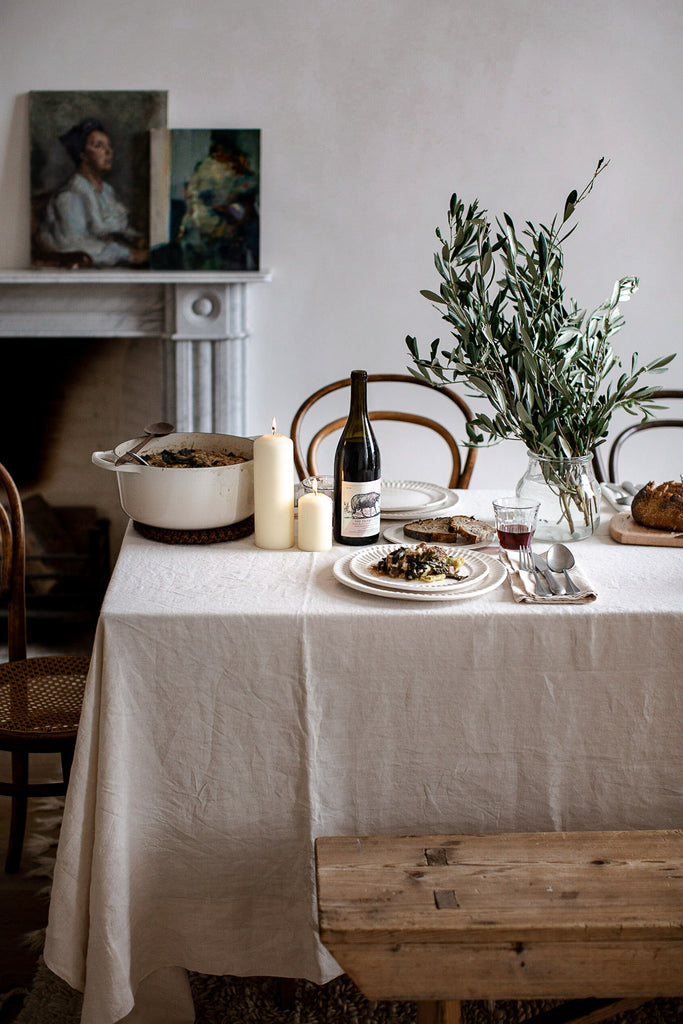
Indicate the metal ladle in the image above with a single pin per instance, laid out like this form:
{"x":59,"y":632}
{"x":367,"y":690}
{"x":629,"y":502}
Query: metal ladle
{"x":560,"y":559}
{"x":153,"y":430}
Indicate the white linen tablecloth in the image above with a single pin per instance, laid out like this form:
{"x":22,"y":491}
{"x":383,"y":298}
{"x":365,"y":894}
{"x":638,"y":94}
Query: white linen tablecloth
{"x":242,"y":702}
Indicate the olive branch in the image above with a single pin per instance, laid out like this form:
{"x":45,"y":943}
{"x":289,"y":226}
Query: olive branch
{"x":542,"y":363}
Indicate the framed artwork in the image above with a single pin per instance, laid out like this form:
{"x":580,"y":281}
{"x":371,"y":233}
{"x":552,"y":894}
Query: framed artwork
{"x":205,"y":199}
{"x":90,"y":176}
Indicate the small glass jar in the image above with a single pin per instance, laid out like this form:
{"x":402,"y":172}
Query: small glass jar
{"x":569,"y":496}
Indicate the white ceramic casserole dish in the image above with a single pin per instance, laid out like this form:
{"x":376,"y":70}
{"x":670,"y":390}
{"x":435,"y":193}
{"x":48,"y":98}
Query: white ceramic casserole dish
{"x":183,"y":497}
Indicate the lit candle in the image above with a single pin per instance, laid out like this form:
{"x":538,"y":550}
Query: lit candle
{"x":274,"y":491}
{"x":315,"y":521}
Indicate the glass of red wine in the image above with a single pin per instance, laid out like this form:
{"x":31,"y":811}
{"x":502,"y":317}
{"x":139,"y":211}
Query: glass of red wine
{"x":515,"y":521}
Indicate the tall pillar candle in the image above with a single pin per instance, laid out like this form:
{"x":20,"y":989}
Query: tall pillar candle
{"x":315,"y":521}
{"x":274,"y":491}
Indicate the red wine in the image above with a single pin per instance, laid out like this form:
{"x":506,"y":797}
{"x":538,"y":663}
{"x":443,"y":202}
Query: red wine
{"x":514,"y":536}
{"x":357,"y":473}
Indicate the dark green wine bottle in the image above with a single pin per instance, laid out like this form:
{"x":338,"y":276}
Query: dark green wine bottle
{"x":357,"y":473}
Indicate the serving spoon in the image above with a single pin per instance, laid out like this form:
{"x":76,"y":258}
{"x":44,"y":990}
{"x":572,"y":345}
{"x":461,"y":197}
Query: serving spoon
{"x":152,"y":430}
{"x":560,"y":559}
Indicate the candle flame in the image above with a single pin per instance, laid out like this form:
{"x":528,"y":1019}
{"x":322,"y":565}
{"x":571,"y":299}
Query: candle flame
{"x":314,"y":486}
{"x":274,"y":425}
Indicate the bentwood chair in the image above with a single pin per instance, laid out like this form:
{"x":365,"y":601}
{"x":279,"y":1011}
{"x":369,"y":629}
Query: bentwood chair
{"x":306,"y":459}
{"x":40,"y":698}
{"x":612,"y":473}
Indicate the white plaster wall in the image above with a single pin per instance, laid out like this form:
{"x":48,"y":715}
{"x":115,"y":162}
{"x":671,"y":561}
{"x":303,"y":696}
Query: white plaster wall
{"x":372,"y":112}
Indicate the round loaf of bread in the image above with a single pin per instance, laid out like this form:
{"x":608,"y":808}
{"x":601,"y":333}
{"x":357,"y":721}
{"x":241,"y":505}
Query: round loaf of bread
{"x":659,"y":507}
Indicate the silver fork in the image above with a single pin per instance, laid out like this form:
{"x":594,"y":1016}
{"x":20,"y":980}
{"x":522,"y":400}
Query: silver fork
{"x":526,"y":562}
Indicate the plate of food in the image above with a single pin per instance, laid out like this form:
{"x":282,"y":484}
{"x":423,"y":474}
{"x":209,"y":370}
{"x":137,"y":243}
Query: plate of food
{"x":461,"y":531}
{"x":424,"y":567}
{"x":496,"y":574}
{"x":404,"y":499}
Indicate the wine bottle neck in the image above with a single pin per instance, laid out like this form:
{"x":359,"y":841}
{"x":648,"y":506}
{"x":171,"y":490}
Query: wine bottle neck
{"x":358,"y":409}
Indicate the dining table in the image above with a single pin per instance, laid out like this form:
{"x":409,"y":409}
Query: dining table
{"x":242,"y":702}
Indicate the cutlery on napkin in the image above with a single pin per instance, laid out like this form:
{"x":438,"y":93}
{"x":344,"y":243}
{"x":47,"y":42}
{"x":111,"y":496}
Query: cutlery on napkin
{"x":524,"y":585}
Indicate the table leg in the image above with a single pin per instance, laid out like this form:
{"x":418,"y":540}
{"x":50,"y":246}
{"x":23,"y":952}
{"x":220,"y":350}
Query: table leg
{"x":438,"y":1011}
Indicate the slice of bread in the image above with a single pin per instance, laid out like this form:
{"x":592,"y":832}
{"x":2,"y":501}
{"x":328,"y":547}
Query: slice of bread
{"x":449,"y":530}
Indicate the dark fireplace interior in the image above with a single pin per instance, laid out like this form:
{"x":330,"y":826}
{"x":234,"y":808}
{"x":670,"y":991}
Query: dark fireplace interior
{"x":64,"y":399}
{"x":43,"y":372}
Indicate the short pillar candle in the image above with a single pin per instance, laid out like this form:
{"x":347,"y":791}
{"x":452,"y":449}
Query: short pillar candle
{"x":274,"y":491}
{"x":315,"y":521}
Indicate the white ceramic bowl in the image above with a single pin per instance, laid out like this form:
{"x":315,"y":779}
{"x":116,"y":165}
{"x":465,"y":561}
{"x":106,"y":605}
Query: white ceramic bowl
{"x":184,"y":498}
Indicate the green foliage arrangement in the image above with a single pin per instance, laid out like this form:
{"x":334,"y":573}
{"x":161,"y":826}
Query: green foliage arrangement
{"x":542,"y":363}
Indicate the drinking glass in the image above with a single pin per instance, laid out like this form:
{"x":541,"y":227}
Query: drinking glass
{"x":515,"y":521}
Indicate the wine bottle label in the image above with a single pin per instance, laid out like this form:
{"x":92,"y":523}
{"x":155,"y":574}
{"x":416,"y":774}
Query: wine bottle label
{"x":360,"y":508}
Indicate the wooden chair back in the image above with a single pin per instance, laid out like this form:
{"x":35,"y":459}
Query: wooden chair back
{"x":40,"y":698}
{"x":612,"y":473}
{"x":13,"y":565}
{"x":306,"y":459}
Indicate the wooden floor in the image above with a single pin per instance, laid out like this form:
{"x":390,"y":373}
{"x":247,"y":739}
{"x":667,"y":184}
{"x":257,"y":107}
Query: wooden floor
{"x":23,"y":908}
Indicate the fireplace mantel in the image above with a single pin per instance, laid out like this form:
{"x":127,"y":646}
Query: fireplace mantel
{"x":199,"y":316}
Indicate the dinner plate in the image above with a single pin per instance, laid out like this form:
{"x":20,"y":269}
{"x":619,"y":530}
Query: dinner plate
{"x":395,"y":535}
{"x":497,"y":574}
{"x":361,"y":566}
{"x":405,"y":499}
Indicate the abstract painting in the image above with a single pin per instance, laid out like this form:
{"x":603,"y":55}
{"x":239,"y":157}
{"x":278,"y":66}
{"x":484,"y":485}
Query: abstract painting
{"x":90,"y":176}
{"x":205,"y":199}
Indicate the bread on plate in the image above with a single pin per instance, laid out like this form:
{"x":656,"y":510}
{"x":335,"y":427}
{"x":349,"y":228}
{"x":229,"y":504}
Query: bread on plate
{"x":450,"y":530}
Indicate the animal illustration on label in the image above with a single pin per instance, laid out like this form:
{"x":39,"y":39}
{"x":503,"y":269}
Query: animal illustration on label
{"x":363,"y":506}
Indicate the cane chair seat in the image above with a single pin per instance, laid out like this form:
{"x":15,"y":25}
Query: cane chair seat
{"x":41,"y":697}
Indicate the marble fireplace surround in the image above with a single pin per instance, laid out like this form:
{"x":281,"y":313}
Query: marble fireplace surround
{"x":200,"y":317}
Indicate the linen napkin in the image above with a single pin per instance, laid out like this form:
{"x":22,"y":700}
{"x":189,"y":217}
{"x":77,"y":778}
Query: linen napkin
{"x":524,"y":584}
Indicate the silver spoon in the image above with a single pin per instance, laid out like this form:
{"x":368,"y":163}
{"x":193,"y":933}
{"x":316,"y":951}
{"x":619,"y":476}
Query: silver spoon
{"x":618,"y":495}
{"x":153,"y":430}
{"x":560,"y":559}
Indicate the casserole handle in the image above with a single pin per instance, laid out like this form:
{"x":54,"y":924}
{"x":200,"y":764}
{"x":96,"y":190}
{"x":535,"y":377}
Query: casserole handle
{"x":106,"y":460}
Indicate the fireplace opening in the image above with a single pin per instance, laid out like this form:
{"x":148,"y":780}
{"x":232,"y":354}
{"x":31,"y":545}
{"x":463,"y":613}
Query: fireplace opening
{"x":64,"y":399}
{"x":41,"y":378}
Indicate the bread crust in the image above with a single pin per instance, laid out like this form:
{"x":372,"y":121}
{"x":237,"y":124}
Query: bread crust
{"x":659,"y":506}
{"x":449,"y":530}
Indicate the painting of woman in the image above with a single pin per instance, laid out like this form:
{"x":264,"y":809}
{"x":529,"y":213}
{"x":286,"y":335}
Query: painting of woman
{"x":85,"y":214}
{"x":90,"y":181}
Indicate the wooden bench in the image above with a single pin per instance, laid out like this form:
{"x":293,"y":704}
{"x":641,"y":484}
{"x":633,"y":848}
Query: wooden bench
{"x":560,"y":915}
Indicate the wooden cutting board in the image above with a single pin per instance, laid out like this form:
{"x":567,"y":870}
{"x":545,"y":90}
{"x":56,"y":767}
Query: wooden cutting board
{"x":623,"y":529}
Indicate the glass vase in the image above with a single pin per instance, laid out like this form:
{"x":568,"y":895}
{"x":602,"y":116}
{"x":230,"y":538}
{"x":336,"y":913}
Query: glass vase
{"x":569,"y":494}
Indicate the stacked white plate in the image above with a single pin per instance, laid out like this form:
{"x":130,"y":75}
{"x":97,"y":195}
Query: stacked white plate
{"x":483,"y":573}
{"x":412,"y":499}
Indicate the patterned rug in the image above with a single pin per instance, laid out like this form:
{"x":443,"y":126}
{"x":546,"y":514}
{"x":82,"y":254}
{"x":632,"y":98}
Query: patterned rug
{"x":255,"y":1001}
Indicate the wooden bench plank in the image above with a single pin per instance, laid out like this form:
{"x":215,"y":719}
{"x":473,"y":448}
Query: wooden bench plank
{"x":522,"y":915}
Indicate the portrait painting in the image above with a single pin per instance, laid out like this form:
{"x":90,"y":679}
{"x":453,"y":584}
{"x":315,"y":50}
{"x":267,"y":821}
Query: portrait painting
{"x":205,"y":199}
{"x":90,"y":177}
